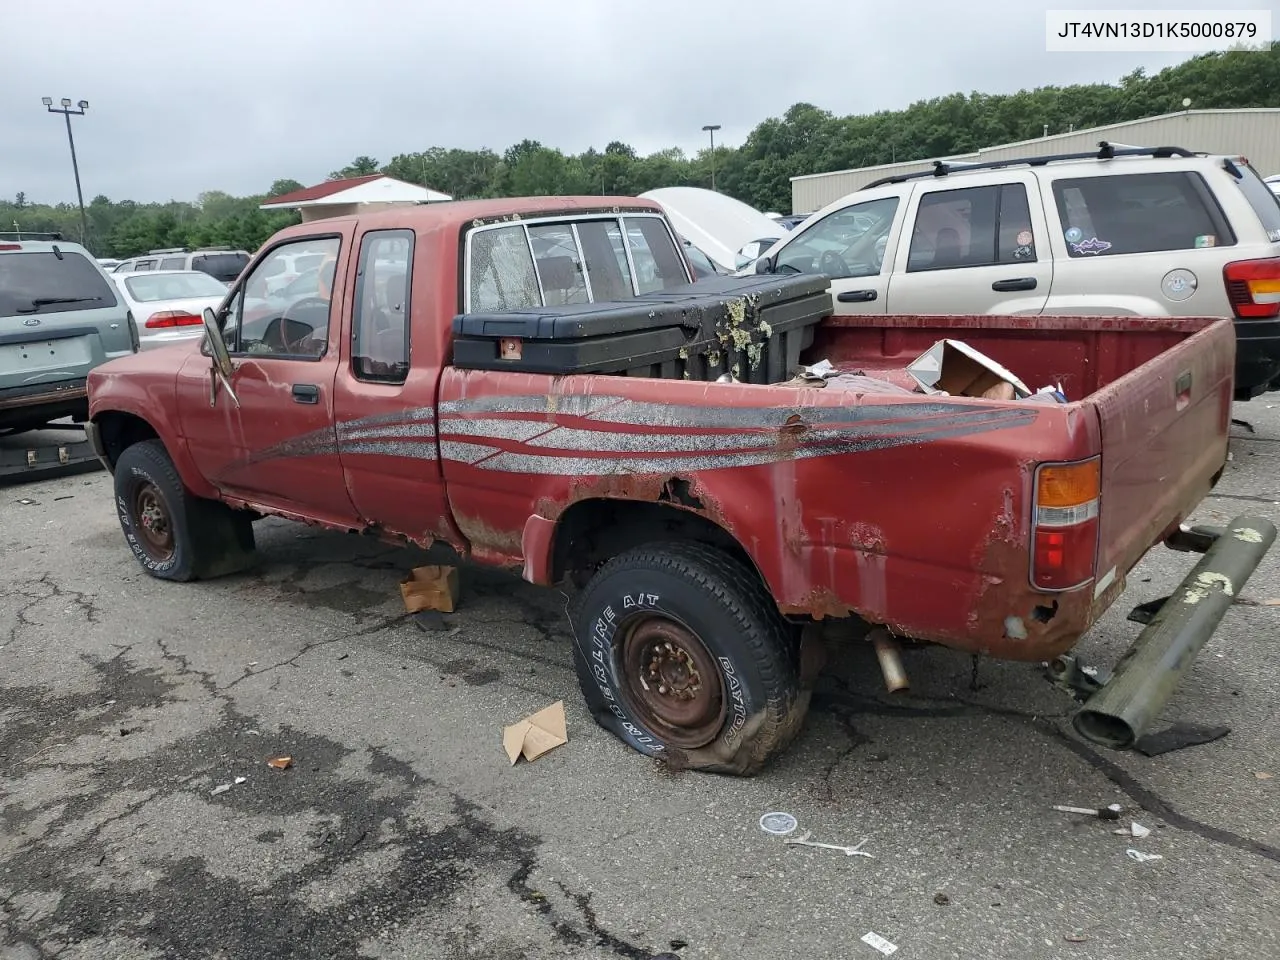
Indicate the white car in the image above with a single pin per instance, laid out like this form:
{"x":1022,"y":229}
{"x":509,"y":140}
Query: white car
{"x":167,"y":304}
{"x":730,"y":233}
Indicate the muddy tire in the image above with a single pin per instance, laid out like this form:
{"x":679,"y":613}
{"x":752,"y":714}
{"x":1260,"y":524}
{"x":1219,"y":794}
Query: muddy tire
{"x":681,"y":654}
{"x":172,"y":533}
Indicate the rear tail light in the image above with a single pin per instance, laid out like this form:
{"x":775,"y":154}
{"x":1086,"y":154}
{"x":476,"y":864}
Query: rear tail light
{"x":1065,"y":525}
{"x":1253,"y":287}
{"x":10,"y":246}
{"x":172,"y":318}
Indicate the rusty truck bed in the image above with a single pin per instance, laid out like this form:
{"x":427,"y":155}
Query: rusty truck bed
{"x":911,"y":511}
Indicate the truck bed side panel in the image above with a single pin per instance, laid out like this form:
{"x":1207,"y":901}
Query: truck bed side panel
{"x":905,"y":509}
{"x":1165,"y":429}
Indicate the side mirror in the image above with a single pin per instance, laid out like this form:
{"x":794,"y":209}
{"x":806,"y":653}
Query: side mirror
{"x":764,"y":265}
{"x":217,"y":346}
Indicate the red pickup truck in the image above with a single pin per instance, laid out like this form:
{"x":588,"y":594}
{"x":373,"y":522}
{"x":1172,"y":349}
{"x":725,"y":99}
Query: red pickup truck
{"x":538,"y":384}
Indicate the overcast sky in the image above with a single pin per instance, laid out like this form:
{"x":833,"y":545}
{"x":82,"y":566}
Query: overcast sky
{"x":234,"y":94}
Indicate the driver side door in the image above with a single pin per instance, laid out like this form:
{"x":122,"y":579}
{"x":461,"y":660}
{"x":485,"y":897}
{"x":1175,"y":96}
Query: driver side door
{"x":284,"y":344}
{"x":854,"y":246}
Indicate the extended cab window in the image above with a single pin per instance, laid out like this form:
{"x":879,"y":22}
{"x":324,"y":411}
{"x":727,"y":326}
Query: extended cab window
{"x":972,"y":227}
{"x":1139,"y":213}
{"x":36,"y":283}
{"x":589,"y":260}
{"x":292,"y":322}
{"x":848,"y":243}
{"x":380,"y":328}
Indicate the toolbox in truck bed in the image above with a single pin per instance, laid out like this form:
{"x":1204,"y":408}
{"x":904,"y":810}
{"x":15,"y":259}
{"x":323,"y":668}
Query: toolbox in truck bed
{"x":752,"y":327}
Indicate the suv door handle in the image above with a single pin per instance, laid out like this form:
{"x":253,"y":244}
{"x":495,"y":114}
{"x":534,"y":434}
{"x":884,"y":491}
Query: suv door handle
{"x":306,"y":393}
{"x":856,"y":296}
{"x":1022,"y":283}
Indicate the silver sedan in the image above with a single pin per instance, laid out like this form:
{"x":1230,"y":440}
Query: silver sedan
{"x":167,"y":304}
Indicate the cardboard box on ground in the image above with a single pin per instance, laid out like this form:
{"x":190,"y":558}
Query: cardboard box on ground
{"x":431,"y":588}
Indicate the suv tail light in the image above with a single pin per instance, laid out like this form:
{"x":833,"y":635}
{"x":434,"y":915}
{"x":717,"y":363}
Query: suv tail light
{"x":172,"y":318}
{"x":1253,"y":287}
{"x":10,"y":246}
{"x":1065,"y":524}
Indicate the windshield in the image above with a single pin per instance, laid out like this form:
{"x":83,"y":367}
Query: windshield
{"x":173,"y":286}
{"x":224,"y":266}
{"x":32,"y":283}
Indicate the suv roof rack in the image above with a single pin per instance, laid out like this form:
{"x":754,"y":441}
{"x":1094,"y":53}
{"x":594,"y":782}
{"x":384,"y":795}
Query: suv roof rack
{"x":1105,"y":151}
{"x":167,"y":250}
{"x":212,"y":250}
{"x":28,"y":235}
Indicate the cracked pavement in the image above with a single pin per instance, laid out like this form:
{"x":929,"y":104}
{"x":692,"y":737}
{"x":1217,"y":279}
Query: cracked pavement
{"x":400,"y":830}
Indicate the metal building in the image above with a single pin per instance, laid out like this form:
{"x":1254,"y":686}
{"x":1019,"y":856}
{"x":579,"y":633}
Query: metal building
{"x":1253,"y":133}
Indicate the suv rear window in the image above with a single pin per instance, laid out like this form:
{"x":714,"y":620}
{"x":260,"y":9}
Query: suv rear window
{"x":224,"y":266}
{"x":1139,"y":213}
{"x":32,"y":283}
{"x":1265,"y":203}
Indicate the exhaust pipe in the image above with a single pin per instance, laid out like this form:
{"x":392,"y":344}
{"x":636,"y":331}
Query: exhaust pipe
{"x":1149,"y":672}
{"x":890,"y":657}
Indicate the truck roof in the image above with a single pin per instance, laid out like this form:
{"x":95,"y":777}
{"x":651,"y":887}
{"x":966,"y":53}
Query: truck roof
{"x":455,"y":214}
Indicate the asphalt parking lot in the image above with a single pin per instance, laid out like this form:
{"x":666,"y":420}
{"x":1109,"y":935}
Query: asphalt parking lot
{"x":400,"y":829}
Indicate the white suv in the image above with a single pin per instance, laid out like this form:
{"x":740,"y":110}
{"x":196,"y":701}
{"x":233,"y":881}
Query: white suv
{"x":221,"y":263}
{"x":1124,"y":231}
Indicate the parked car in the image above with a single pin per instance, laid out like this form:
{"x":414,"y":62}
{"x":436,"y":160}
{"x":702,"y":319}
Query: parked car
{"x":718,"y":225}
{"x":1123,"y":231}
{"x":168,"y":305}
{"x":703,"y":266}
{"x":60,"y":317}
{"x":792,"y":221}
{"x":221,"y":263}
{"x":710,"y":526}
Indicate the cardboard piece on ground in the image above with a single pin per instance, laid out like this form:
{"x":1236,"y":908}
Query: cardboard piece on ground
{"x":955,"y":368}
{"x":431,"y":588}
{"x":536,"y":734}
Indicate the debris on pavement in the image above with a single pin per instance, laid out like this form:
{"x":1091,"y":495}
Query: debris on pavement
{"x":1141,"y":857}
{"x":431,"y":588}
{"x":1075,"y":938}
{"x":240,"y":780}
{"x":941,"y":899}
{"x":219,"y":789}
{"x":1177,"y":737}
{"x":779,"y":824}
{"x":536,"y":734}
{"x":854,"y":851}
{"x":873,"y":939}
{"x":280,"y":763}
{"x":430,"y":621}
{"x":1110,"y":812}
{"x":1263,"y":775}
{"x":1134,"y":829}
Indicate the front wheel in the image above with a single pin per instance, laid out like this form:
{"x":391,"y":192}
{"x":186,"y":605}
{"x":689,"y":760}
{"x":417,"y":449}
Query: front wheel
{"x":173,"y":534}
{"x":681,"y":654}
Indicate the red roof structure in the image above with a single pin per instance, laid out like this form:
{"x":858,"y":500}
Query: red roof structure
{"x":322,"y":190}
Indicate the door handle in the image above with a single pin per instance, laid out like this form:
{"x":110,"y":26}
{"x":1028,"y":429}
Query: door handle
{"x":306,"y":393}
{"x":1022,"y":283}
{"x":856,"y":296}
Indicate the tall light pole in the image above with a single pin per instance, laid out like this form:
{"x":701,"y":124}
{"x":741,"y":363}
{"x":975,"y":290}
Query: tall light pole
{"x":711,"y":128}
{"x":67,"y":113}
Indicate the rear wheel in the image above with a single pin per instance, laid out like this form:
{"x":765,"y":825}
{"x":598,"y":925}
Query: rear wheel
{"x":172,"y":533}
{"x":681,"y":654}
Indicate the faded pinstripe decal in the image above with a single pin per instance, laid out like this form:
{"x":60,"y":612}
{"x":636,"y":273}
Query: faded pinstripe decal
{"x":747,"y":435}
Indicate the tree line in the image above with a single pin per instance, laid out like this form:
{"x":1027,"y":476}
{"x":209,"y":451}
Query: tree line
{"x":806,"y":139}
